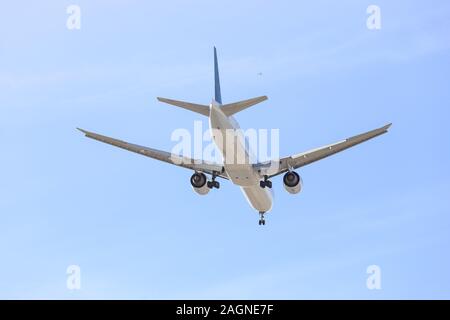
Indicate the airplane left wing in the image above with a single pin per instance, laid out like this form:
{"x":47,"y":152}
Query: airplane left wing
{"x":196,"y":165}
{"x":304,"y":158}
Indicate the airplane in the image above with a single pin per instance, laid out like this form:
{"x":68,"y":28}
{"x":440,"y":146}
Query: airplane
{"x":252,"y":178}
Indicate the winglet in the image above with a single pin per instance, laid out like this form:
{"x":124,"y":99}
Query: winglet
{"x":84,"y":131}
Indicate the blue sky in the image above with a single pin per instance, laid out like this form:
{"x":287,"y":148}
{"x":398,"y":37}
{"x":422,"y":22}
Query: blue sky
{"x":134,"y":225}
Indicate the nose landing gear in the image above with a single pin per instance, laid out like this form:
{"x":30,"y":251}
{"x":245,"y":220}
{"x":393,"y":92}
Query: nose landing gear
{"x":261,"y":219}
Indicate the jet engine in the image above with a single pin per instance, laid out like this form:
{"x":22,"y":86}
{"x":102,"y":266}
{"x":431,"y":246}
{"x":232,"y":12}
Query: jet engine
{"x":199,"y":183}
{"x":292,"y":182}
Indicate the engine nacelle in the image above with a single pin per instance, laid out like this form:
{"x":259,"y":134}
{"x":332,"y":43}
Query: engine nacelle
{"x":199,"y":183}
{"x":292,"y":182}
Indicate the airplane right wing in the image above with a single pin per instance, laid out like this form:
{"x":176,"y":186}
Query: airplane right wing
{"x":304,"y":158}
{"x":196,"y":165}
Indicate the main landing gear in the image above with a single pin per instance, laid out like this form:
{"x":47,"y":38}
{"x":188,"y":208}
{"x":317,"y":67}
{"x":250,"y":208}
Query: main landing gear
{"x":265,"y":183}
{"x":213,"y":183}
{"x":261,"y":220}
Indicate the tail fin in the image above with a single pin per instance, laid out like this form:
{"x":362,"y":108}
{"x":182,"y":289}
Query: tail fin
{"x":218,"y":95}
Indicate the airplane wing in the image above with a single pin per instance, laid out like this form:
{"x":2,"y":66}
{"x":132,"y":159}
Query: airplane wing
{"x":196,"y":165}
{"x":304,"y":158}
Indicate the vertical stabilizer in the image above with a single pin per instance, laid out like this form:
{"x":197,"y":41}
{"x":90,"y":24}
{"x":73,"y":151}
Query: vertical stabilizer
{"x":217,"y":94}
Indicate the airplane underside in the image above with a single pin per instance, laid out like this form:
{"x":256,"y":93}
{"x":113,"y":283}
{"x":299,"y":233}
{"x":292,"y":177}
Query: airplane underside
{"x":252,"y":178}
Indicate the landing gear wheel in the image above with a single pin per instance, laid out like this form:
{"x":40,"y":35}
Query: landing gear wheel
{"x":261,"y":220}
{"x":213,"y":183}
{"x":265,"y":183}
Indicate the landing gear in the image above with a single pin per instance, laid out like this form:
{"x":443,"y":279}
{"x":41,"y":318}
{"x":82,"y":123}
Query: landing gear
{"x":261,"y":219}
{"x":265,"y":183}
{"x":213,"y":183}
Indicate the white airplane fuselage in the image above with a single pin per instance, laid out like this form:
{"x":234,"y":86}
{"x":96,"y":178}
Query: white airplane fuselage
{"x":237,"y":164}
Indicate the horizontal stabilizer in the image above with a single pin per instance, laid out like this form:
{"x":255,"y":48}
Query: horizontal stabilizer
{"x":232,"y":108}
{"x":199,"y":108}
